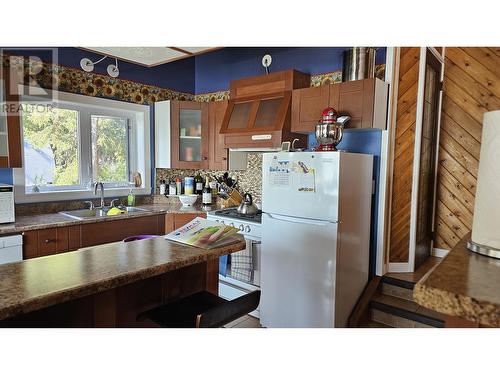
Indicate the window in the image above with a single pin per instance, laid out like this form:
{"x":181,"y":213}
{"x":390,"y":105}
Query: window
{"x":110,"y":149}
{"x":50,"y":147}
{"x":79,"y":140}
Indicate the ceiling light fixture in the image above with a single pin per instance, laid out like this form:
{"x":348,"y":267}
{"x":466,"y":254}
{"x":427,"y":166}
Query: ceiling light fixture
{"x":88,"y":66}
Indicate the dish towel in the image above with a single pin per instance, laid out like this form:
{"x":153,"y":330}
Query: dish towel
{"x":242,"y":264}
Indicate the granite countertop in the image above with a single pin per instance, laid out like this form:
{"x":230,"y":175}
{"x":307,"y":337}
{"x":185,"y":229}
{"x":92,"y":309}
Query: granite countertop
{"x":41,"y":282}
{"x":52,"y":220}
{"x":465,"y":285}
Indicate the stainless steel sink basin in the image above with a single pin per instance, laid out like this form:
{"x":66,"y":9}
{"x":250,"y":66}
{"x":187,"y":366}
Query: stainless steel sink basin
{"x":87,"y":213}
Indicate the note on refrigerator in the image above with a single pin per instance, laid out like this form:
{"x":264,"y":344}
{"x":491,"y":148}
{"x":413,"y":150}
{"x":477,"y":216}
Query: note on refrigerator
{"x":305,"y":178}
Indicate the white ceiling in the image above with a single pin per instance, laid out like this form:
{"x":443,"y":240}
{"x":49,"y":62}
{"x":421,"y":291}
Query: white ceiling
{"x":150,"y":56}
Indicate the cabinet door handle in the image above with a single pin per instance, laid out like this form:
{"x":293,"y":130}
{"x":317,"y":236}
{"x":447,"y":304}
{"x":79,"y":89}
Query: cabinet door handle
{"x":49,"y":240}
{"x":204,"y":158}
{"x":224,"y":158}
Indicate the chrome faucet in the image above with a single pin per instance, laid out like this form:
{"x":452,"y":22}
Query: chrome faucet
{"x":96,"y":186}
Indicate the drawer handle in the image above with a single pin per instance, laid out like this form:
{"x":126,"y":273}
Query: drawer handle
{"x":49,"y":240}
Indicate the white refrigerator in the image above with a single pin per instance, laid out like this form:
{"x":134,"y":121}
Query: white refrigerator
{"x":315,"y":237}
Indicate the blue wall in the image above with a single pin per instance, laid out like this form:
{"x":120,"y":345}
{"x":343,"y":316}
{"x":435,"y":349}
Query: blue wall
{"x":214,"y":71}
{"x":177,"y":75}
{"x":6,"y":176}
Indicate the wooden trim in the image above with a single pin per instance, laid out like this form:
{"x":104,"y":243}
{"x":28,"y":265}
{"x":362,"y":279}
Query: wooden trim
{"x":180,"y":50}
{"x":188,"y":54}
{"x":362,"y":308}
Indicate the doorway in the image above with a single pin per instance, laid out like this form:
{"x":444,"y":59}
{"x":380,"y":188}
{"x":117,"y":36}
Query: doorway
{"x":428,"y":158}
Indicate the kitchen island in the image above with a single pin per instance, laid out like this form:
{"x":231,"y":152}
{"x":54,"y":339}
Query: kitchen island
{"x":465,"y":286}
{"x":106,"y":285}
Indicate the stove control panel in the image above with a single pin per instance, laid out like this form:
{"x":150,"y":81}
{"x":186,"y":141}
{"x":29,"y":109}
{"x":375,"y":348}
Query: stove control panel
{"x":250,"y":229}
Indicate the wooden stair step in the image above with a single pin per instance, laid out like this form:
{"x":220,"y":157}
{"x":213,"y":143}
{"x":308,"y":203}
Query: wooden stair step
{"x":406,"y":284}
{"x":373,"y":324}
{"x":410,"y":314}
{"x":396,"y":291}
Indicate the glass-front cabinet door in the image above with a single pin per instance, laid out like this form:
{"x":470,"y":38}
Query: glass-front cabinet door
{"x":189,"y":135}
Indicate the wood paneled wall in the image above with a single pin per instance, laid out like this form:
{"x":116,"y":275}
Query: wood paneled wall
{"x":403,"y":154}
{"x":471,"y":87}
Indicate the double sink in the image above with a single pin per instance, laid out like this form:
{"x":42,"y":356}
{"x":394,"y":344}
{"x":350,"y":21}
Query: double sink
{"x":86,"y":213}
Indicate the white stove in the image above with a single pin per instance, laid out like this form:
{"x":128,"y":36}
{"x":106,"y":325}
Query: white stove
{"x":243,"y":268}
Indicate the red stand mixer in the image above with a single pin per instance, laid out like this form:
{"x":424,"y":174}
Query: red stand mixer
{"x":329,"y":129}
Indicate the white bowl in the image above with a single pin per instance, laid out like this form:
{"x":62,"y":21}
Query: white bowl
{"x":188,"y":199}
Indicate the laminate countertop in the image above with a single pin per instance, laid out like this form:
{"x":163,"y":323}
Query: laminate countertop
{"x":464,"y":285}
{"x":53,"y":220}
{"x":37,"y":283}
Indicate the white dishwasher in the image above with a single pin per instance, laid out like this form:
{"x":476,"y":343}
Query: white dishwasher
{"x":11,"y":249}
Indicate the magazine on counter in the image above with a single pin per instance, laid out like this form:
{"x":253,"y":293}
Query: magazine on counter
{"x":204,"y":233}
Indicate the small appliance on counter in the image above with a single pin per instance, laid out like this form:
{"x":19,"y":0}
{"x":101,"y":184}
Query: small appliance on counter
{"x":329,"y":129}
{"x":7,"y":209}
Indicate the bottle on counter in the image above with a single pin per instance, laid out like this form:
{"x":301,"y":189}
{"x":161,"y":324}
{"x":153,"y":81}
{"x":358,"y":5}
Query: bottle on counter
{"x":131,"y":198}
{"x":178,"y":185}
{"x":189,"y":185}
{"x":163,"y":187}
{"x":206,"y":197}
{"x":172,"y":190}
{"x":198,"y":180}
{"x":213,"y":186}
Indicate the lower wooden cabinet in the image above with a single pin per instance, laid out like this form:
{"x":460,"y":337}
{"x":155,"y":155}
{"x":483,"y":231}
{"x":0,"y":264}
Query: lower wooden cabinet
{"x":117,"y":230}
{"x":43,"y":242}
{"x":38,"y":243}
{"x":175,"y":221}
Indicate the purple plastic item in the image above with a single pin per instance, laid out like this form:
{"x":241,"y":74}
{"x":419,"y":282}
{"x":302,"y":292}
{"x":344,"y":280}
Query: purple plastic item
{"x":139,"y":237}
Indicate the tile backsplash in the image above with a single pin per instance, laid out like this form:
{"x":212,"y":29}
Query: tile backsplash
{"x":249,"y":180}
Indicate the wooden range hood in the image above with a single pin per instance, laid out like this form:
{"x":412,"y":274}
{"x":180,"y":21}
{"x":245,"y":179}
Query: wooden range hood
{"x":258,"y":114}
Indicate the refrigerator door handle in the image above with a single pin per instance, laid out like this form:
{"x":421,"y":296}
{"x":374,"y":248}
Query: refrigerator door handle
{"x":300,"y":220}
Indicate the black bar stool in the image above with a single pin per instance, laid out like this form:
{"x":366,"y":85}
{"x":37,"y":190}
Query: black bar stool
{"x":202,"y":310}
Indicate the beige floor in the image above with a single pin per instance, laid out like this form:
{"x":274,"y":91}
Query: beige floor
{"x":246,"y":321}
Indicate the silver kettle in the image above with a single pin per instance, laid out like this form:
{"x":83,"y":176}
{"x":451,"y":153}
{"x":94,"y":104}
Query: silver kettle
{"x":247,"y":207}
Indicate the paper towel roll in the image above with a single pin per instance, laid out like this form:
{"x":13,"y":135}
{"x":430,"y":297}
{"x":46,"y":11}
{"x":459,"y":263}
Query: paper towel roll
{"x":486,"y":221}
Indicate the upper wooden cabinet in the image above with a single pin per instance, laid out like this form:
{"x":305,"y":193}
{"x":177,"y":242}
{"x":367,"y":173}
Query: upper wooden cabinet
{"x":259,"y":111}
{"x":364,"y":100}
{"x":217,"y":154}
{"x":189,"y":137}
{"x":10,"y":123}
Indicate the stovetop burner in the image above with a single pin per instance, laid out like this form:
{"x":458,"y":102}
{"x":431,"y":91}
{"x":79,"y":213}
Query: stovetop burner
{"x":233,"y":213}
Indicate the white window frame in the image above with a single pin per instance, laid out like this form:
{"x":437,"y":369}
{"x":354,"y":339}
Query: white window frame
{"x":139,"y":148}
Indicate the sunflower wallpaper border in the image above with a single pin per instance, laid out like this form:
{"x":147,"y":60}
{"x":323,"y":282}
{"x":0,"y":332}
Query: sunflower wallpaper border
{"x":76,"y":81}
